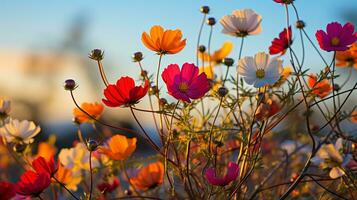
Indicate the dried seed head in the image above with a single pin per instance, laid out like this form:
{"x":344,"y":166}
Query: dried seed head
{"x":96,"y":54}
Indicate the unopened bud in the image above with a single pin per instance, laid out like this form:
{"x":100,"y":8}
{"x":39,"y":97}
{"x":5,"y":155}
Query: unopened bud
{"x":20,"y":147}
{"x":205,"y":9}
{"x":137,"y":56}
{"x":300,"y":24}
{"x":222,"y":91}
{"x":96,"y":54}
{"x":228,"y":62}
{"x":201,"y":48}
{"x":70,"y":84}
{"x":211,"y":21}
{"x":92,"y":145}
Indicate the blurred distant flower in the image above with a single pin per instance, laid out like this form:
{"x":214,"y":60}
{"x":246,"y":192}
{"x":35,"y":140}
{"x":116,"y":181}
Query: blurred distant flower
{"x":7,"y":190}
{"x":259,"y":71}
{"x":322,"y":88}
{"x":124,"y":92}
{"x":77,"y":158}
{"x":217,"y":56}
{"x":32,"y":183}
{"x":46,"y":149}
{"x":109,"y":186}
{"x":231,"y":174}
{"x":163,"y":41}
{"x":280,"y":44}
{"x":93,"y":109}
{"x":68,"y":178}
{"x":20,"y":131}
{"x":354,"y":117}
{"x":149,"y":177}
{"x":287,"y":71}
{"x":5,"y":107}
{"x":267,"y":109}
{"x":43,"y":166}
{"x":185,"y":84}
{"x":347,"y":58}
{"x":336,"y":37}
{"x":241,"y":23}
{"x":284,"y":1}
{"x":5,"y":159}
{"x":120,"y":147}
{"x":209,"y":71}
{"x":330,"y":156}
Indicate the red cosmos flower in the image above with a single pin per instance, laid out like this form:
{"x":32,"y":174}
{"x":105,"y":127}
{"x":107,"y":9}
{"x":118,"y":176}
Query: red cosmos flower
{"x":42,"y":166}
{"x":32,"y":183}
{"x":284,"y":1}
{"x":124,"y":92}
{"x":337,"y":38}
{"x":109,"y":186}
{"x":321,"y":89}
{"x":7,"y":190}
{"x":231,"y":174}
{"x":279,"y":45}
{"x":185,"y":84}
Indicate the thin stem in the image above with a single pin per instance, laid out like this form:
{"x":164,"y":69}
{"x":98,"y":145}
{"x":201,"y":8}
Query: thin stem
{"x":199,"y":36}
{"x":62,"y":185}
{"x":102,"y":73}
{"x":91,"y":175}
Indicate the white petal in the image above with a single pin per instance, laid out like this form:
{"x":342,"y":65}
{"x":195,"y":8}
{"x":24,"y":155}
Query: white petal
{"x":261,"y":60}
{"x":336,"y":172}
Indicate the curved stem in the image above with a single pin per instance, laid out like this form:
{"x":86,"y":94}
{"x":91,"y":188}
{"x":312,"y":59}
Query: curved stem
{"x":102,"y":73}
{"x":199,"y":37}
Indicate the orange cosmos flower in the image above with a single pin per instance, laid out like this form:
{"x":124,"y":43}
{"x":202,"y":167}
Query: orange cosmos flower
{"x":163,"y":41}
{"x":347,"y":58}
{"x":322,"y":88}
{"x":149,"y":176}
{"x":120,"y":147}
{"x":47,"y":149}
{"x":94,"y":109}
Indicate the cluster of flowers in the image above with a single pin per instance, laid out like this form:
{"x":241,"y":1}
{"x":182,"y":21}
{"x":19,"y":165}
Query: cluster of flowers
{"x":221,"y":151}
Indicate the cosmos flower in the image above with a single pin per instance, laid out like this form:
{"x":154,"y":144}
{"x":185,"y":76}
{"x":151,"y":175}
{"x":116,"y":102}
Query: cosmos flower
{"x":109,"y":186}
{"x":231,"y":174}
{"x":163,"y":41}
{"x":280,"y":44}
{"x":185,"y":84}
{"x":321,"y":89}
{"x":284,"y":1}
{"x":336,"y":37}
{"x":46,"y":150}
{"x":7,"y":190}
{"x":241,"y":23}
{"x":149,"y":176}
{"x":124,"y":92}
{"x":329,"y":157}
{"x":77,"y":158}
{"x":93,"y":109}
{"x":5,"y":107}
{"x":347,"y":58}
{"x":259,"y":71}
{"x":42,"y":166}
{"x":267,"y":109}
{"x":69,"y":178}
{"x":120,"y":147}
{"x":32,"y":183}
{"x":19,"y":131}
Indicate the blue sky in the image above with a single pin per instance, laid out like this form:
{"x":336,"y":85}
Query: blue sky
{"x":116,"y":26}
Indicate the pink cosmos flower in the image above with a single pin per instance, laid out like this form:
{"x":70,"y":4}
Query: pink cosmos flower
{"x":185,"y":84}
{"x":336,"y":37}
{"x":232,"y":173}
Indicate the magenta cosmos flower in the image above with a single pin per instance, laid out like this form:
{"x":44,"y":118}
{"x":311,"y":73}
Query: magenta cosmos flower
{"x":231,"y":174}
{"x":185,"y":84}
{"x":336,"y":37}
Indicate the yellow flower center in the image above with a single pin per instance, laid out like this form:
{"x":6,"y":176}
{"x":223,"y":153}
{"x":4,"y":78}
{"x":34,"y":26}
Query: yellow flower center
{"x":183,"y":87}
{"x":335,"y":41}
{"x":260,"y":73}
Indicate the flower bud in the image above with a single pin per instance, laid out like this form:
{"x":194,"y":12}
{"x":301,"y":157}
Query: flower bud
{"x":163,"y":102}
{"x":222,"y":91}
{"x":128,"y":192}
{"x":144,"y":73}
{"x":20,"y":147}
{"x":228,"y":62}
{"x":211,"y":21}
{"x":70,"y":84}
{"x":137,"y":56}
{"x":205,"y":9}
{"x":300,"y":24}
{"x":96,"y":54}
{"x":336,"y":87}
{"x":202,"y":48}
{"x":92,"y":145}
{"x":153,"y":90}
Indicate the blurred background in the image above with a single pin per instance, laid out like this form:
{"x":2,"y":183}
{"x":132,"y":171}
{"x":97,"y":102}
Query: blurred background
{"x":42,"y":43}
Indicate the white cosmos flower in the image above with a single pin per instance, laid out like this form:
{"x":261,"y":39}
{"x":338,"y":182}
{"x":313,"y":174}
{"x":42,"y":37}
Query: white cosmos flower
{"x":5,"y":106}
{"x":330,"y":156}
{"x":241,"y":23}
{"x":16,"y":130}
{"x":259,"y":70}
{"x":77,"y":158}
